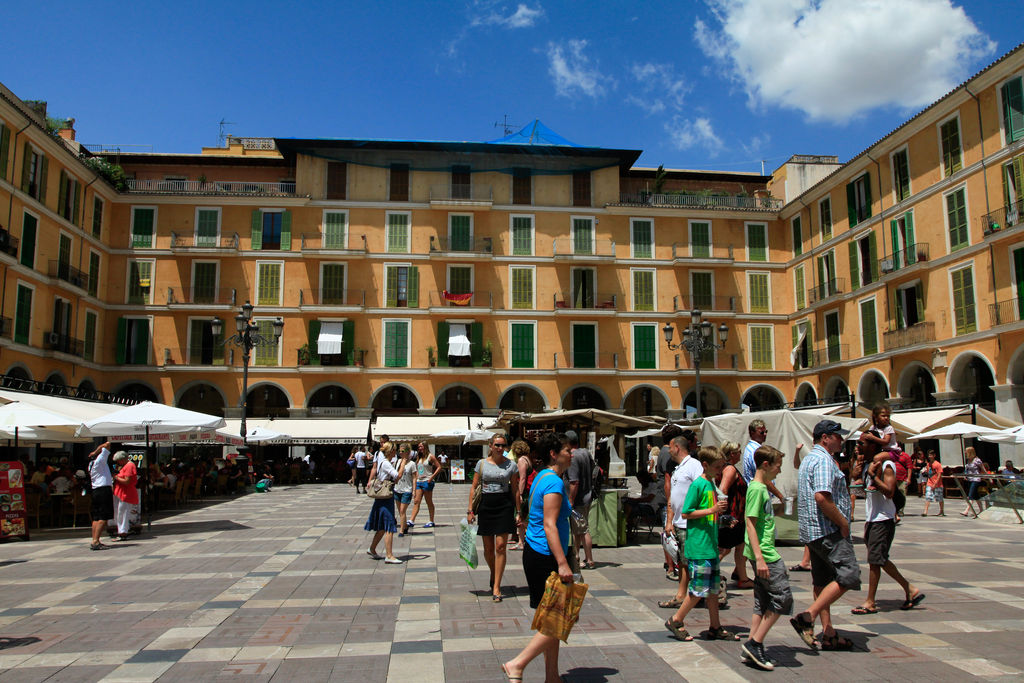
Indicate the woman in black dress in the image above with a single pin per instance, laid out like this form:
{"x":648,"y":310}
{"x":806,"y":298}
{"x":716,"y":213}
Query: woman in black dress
{"x":499,"y":478}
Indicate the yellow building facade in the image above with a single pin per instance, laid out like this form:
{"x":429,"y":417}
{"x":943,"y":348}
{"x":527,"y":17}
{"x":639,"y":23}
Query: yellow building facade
{"x":463,"y":278}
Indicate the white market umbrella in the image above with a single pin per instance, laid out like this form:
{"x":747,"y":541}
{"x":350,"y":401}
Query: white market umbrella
{"x":259,"y":434}
{"x":1012,"y":436}
{"x":148,"y":418}
{"x":957,"y":430}
{"x":461,"y":437}
{"x":34,"y":423}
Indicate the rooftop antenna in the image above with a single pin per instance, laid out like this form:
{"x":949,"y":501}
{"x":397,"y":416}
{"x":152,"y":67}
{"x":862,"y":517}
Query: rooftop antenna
{"x":221,"y":135}
{"x":762,"y":166}
{"x":505,"y":125}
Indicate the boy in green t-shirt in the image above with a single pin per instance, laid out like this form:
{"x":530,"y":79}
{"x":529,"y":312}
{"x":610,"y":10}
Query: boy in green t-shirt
{"x":772,"y":596}
{"x":700,"y":510}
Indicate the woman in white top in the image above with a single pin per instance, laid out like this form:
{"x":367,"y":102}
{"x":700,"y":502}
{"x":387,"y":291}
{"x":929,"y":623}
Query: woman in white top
{"x":404,"y":485}
{"x":382,"y":515}
{"x":427,"y":470}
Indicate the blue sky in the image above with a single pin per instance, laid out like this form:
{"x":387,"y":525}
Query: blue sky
{"x":711,"y":84}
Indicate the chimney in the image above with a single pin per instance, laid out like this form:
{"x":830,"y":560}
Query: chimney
{"x":67,"y":130}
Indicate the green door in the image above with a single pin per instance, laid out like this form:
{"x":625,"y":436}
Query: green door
{"x":832,"y":336}
{"x":1018,"y":274}
{"x":461,"y":239}
{"x":584,"y":346}
{"x":204,"y":283}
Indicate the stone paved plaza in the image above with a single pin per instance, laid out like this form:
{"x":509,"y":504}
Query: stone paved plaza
{"x":278,"y":587}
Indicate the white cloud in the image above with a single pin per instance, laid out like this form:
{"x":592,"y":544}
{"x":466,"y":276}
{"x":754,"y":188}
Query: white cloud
{"x":834,"y":59}
{"x":523,"y":17}
{"x":659,"y":88}
{"x":572,"y":71}
{"x":694,"y":133}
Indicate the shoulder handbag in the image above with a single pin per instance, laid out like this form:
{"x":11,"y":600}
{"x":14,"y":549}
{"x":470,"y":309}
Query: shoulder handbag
{"x":380,"y":489}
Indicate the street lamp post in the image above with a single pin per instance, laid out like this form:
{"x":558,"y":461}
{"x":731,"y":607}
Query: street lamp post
{"x":247,"y":337}
{"x":697,"y":339}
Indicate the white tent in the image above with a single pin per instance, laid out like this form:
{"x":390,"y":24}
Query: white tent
{"x":786,"y":429}
{"x":27,"y":422}
{"x":412,"y":427}
{"x":149,"y":421}
{"x":461,"y":437}
{"x":304,"y":431}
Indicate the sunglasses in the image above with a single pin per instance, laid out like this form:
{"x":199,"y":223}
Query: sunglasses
{"x":498,"y":445}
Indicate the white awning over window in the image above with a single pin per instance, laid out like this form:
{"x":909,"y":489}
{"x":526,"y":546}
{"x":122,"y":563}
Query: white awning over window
{"x":458,"y":342}
{"x":329,"y":340}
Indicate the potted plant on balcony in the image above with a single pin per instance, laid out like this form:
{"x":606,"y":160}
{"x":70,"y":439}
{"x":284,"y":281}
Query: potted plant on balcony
{"x":485,"y":356}
{"x":357,"y":357}
{"x":303,"y":353}
{"x":430,"y":356}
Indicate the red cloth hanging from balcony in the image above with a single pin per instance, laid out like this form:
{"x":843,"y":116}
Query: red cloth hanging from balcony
{"x":457,"y":299}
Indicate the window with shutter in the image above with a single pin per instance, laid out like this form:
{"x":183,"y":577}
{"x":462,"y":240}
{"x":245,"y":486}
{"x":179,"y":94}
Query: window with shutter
{"x":522,"y":335}
{"x":643,"y":238}
{"x":399,"y":183}
{"x":396,"y":343}
{"x":643,"y":290}
{"x":702,"y":290}
{"x":204,"y":282}
{"x":28,"y":240}
{"x":584,"y":345}
{"x":89,"y":337}
{"x":800,"y":287}
{"x":1013,"y":109}
{"x":522,"y":235}
{"x":868,"y":327}
{"x":583,"y":236}
{"x":757,"y":242}
{"x":460,"y":280}
{"x":335,"y":229}
{"x":5,"y":149}
{"x":950,"y":134}
{"x":268,"y":284}
{"x":761,"y":347}
{"x":522,"y":287}
{"x":700,"y":240}
{"x":142,"y":227}
{"x":97,"y":216}
{"x":901,"y":175}
{"x":757,"y":288}
{"x":204,"y":348}
{"x":832,"y":337}
{"x":963,"y":301}
{"x":956,"y":218}
{"x":825,"y":219}
{"x":332,"y":284}
{"x":521,"y":186}
{"x":271,"y":234}
{"x":398,"y":233}
{"x":140,"y":283}
{"x":207,"y":227}
{"x":798,"y":236}
{"x":94,"y":273}
{"x":337,"y":179}
{"x":581,"y":188}
{"x":460,"y":232}
{"x":23,"y":315}
{"x":266,"y":354}
{"x":645,"y":347}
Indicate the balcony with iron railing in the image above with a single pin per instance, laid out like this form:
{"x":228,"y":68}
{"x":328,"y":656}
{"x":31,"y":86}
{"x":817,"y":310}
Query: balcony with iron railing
{"x":212,"y":354}
{"x":70,"y":274}
{"x":201,"y":296}
{"x":461,"y":362}
{"x":214,"y":187}
{"x":57,"y":341}
{"x":8,"y":243}
{"x":460,"y":194}
{"x":919,"y":333}
{"x":585,"y":300}
{"x":587,"y":360}
{"x":826,"y":290}
{"x":481,"y":246}
{"x":448,"y":300}
{"x":684,"y":303}
{"x":347,"y":298}
{"x":1003,"y":312}
{"x":202,"y":242}
{"x":911,"y":255}
{"x":6,"y":327}
{"x":710,"y":254}
{"x":1003,"y":218}
{"x":699,"y":201}
{"x":336,"y":245}
{"x":584,"y":248}
{"x":307,"y":357}
{"x":832,"y":353}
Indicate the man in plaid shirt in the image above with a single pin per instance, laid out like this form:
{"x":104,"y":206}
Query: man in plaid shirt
{"x":823,"y":507}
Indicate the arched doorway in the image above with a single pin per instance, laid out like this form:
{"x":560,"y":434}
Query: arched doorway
{"x":522,"y":398}
{"x":203,"y":398}
{"x":873,"y":389}
{"x":582,"y":398}
{"x":763,"y":397}
{"x":331,"y":401}
{"x":87,"y":390}
{"x":17,"y":377}
{"x":459,"y":400}
{"x":645,"y":400}
{"x":137,"y":392}
{"x":713,"y":401}
{"x":395,"y":399}
{"x":55,"y":385}
{"x":805,"y":395}
{"x":972,"y":379}
{"x":916,"y":387}
{"x":837,"y":391}
{"x":267,"y":400}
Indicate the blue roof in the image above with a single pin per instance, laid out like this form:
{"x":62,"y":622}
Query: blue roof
{"x":534,"y":133}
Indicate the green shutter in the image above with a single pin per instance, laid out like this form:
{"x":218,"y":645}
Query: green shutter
{"x":643,"y":290}
{"x":757,"y":284}
{"x":963,"y":301}
{"x":522,"y":345}
{"x":476,"y":343}
{"x":443,"y":331}
{"x":851,"y":203}
{"x":582,"y":236}
{"x":873,"y":255}
{"x":28,"y":241}
{"x":798,"y":278}
{"x":583,"y":351}
{"x":867,"y":196}
{"x":1013,"y":110}
{"x":460,"y":239}
{"x":335,"y":229}
{"x":868,"y":327}
{"x":206,"y":229}
{"x":26,"y":165}
{"x":391,"y":286}
{"x":44,"y":164}
{"x":897,"y":254}
{"x":700,"y":240}
{"x":757,"y":242}
{"x":644,"y":347}
{"x":256,"y":241}
{"x":700,"y":291}
{"x":314,"y":335}
{"x":956,"y":211}
{"x":413,"y":296}
{"x":798,"y":237}
{"x":1018,"y":275}
{"x":141,"y":347}
{"x":854,"y":266}
{"x":898,"y":308}
{"x":286,"y":231}
{"x":23,"y":316}
{"x":396,"y":341}
{"x":120,"y":352}
{"x":348,"y":341}
{"x":522,"y":236}
{"x":950,"y":132}
{"x":76,"y":212}
{"x":919,"y":298}
{"x":332,"y":284}
{"x":822,"y":285}
{"x":62,"y":193}
{"x":5,"y":149}
{"x":94,"y":273}
{"x":642,"y":239}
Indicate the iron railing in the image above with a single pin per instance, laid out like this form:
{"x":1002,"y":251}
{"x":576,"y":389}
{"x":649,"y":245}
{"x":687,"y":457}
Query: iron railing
{"x":831,"y":353}
{"x":329,"y":297}
{"x":687,"y":302}
{"x":920,"y":333}
{"x":305,"y":356}
{"x":826,"y":290}
{"x":8,"y":243}
{"x":33,"y":386}
{"x":588,"y":360}
{"x":204,"y":241}
{"x":572,"y":246}
{"x":903,"y":258}
{"x":58,"y":341}
{"x":218,"y":187}
{"x":225,"y":296}
{"x":586,"y":300}
{"x":1003,"y":312}
{"x":702,"y":201}
{"x":480,"y":245}
{"x":459,"y":192}
{"x":320,"y":242}
{"x":1004,"y":217}
{"x":685,"y":250}
{"x":212,"y":354}
{"x":477,"y":299}
{"x":70,"y":274}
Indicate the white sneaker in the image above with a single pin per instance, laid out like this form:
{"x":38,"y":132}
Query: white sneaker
{"x":392,"y":560}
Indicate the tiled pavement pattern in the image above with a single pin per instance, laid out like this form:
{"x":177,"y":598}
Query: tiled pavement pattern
{"x":278,"y":587}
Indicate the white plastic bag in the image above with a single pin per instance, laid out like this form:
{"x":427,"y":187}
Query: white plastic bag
{"x":668,"y":542}
{"x":467,"y":543}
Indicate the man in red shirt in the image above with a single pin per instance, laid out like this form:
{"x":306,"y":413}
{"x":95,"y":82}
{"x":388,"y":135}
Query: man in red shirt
{"x":126,"y":495}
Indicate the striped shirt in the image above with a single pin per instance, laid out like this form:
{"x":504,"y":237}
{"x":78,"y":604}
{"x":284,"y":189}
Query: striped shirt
{"x":819,"y":472}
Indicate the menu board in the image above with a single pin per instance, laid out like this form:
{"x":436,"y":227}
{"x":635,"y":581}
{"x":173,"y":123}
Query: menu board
{"x":458,"y":470}
{"x":12,"y":501}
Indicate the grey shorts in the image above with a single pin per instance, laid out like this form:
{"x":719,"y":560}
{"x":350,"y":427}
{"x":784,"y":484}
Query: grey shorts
{"x":772,"y":594}
{"x":681,"y":540}
{"x":878,"y":537}
{"x":833,"y":559}
{"x":582,"y":527}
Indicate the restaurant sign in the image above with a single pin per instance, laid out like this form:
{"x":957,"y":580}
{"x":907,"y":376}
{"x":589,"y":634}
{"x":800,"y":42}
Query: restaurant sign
{"x":12,"y":501}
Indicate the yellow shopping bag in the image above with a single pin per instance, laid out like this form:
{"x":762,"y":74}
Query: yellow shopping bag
{"x":559,"y":609}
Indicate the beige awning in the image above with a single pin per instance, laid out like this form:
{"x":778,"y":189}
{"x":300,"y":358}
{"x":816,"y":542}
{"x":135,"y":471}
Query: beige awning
{"x":409,"y":427}
{"x":329,"y":340}
{"x":308,"y":432}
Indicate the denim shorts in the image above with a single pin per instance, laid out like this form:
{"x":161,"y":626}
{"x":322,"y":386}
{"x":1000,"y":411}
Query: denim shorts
{"x":425,"y":485}
{"x":403,"y":498}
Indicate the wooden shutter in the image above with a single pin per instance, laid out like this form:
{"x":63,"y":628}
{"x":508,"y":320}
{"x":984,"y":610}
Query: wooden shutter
{"x":26,"y":165}
{"x":43,"y":165}
{"x":257,"y":230}
{"x":391,"y":285}
{"x":798,"y":237}
{"x":348,"y":341}
{"x":286,"y":231}
{"x":522,"y":345}
{"x":314,"y":349}
{"x":76,"y":212}
{"x":5,"y":149}
{"x":399,"y":190}
{"x":120,"y":354}
{"x":476,"y":346}
{"x":28,"y":242}
{"x":443,"y":330}
{"x":62,"y":194}
{"x":581,"y":188}
{"x":583,"y":346}
{"x":868,"y":327}
{"x":873,"y":255}
{"x":851,"y":203}
{"x":521,"y":186}
{"x":337,"y":178}
{"x":644,"y":347}
{"x":700,"y":291}
{"x":413,"y":288}
{"x":798,"y":279}
{"x":757,"y":242}
{"x":867,"y":195}
{"x":963,"y":301}
{"x":700,"y":237}
{"x":854,"y":266}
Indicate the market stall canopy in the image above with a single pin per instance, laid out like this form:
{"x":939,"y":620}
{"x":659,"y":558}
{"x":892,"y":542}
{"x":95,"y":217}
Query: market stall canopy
{"x":592,"y":415}
{"x":1014,"y":436}
{"x":911,"y":422}
{"x":25,"y":422}
{"x":410,"y":427}
{"x":453,"y":437}
{"x":786,"y":429}
{"x":69,"y":407}
{"x":148,"y":420}
{"x":956,"y":430}
{"x":304,"y":432}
